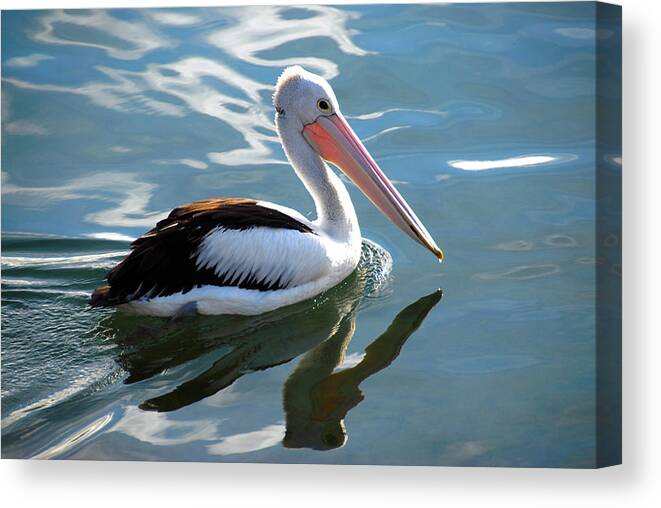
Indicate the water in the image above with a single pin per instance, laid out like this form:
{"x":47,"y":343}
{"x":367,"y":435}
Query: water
{"x":483,"y":115}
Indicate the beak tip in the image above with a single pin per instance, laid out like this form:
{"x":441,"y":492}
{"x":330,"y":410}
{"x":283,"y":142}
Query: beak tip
{"x":439,"y":254}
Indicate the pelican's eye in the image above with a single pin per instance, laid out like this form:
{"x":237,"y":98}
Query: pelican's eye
{"x":324,"y":106}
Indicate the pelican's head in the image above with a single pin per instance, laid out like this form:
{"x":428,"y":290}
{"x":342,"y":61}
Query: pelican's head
{"x":306,"y":103}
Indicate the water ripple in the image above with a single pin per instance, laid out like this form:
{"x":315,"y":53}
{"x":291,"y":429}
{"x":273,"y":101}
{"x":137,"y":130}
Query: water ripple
{"x":524,"y":272}
{"x":87,"y":260}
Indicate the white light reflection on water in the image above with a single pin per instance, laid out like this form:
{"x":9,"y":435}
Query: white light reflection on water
{"x":263,"y":28}
{"x":75,"y":439}
{"x":129,"y":195}
{"x":28,"y":60}
{"x":172,"y":18}
{"x":247,"y":442}
{"x":510,"y":162}
{"x":125,"y":40}
{"x":115,"y":237}
{"x":162,"y":429}
{"x":191,"y":163}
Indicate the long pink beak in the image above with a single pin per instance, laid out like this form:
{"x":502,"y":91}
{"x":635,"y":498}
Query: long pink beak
{"x":335,"y":141}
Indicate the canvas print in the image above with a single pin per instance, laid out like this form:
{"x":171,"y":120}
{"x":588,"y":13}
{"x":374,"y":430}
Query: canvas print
{"x":339,"y":234}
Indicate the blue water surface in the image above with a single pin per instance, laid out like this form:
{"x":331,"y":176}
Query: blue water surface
{"x":482,"y":115}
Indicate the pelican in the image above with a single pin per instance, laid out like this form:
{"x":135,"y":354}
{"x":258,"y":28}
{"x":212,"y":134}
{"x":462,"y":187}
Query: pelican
{"x":245,"y":256}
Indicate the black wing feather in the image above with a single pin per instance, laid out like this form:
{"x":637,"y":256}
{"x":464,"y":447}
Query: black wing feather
{"x":161,"y":262}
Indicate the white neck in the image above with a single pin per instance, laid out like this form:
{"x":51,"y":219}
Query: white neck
{"x":335,"y":212}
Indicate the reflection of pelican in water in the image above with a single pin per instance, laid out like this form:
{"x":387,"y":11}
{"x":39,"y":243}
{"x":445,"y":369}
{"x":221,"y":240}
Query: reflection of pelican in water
{"x":315,"y":398}
{"x":247,"y":257}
